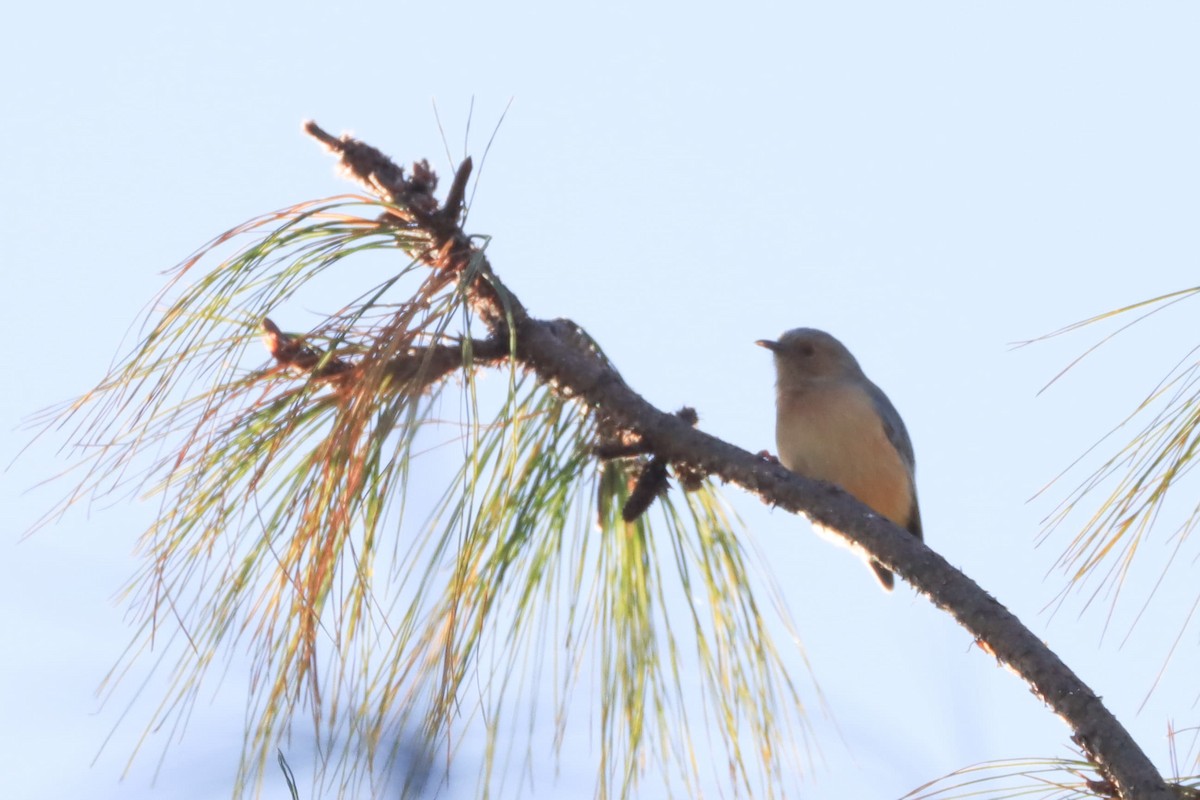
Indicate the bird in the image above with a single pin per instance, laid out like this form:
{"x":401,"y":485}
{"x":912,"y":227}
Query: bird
{"x":833,"y":424}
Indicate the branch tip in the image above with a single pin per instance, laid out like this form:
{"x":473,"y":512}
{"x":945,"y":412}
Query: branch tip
{"x":458,"y":190}
{"x":314,"y":130}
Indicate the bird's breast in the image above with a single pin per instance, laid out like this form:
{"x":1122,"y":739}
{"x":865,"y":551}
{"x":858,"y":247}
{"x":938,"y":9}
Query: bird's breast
{"x":833,"y":433}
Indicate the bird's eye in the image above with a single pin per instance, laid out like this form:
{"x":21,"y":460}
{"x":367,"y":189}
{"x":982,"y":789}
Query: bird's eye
{"x":804,"y":349}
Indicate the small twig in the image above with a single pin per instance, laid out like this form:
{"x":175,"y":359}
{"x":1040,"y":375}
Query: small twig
{"x":292,"y":352}
{"x":458,"y":192}
{"x":424,"y":365}
{"x":428,"y":365}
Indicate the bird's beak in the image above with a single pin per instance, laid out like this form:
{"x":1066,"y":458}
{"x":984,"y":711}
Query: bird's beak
{"x":767,"y":343}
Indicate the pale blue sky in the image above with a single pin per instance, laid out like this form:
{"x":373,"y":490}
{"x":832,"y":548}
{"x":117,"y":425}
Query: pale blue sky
{"x":930,"y":181}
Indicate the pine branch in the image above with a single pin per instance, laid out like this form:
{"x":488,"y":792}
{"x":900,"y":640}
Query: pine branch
{"x":426,"y":365}
{"x":562,"y":357}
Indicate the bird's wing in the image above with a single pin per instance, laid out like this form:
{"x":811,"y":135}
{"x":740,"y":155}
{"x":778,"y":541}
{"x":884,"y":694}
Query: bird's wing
{"x":893,"y":426}
{"x":897,"y":434}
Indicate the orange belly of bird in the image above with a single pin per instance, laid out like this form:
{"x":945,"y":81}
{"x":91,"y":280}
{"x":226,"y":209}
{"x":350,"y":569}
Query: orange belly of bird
{"x":836,"y":436}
